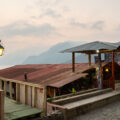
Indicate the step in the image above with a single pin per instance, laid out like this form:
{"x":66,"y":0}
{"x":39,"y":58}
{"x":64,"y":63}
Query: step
{"x":117,"y":86}
{"x":81,"y":96}
{"x":73,"y":94}
{"x":85,"y":105}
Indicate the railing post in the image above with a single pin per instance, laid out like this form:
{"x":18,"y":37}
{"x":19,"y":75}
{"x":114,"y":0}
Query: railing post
{"x":26,"y":95}
{"x":1,"y":105}
{"x":33,"y":96}
{"x":17,"y":92}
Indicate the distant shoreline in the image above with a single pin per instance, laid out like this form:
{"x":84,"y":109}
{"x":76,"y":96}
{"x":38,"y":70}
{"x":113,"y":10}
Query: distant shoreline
{"x":4,"y":66}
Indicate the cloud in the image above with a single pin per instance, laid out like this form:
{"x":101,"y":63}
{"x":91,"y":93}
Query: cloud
{"x":25,"y":29}
{"x":118,"y":28}
{"x":51,"y":13}
{"x":47,"y":2}
{"x":78,"y":24}
{"x":99,"y":25}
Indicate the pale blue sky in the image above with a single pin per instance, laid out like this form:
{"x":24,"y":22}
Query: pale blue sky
{"x":42,"y":23}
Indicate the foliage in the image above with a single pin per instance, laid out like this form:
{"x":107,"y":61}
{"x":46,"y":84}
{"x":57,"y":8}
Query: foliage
{"x":51,"y":98}
{"x":73,"y":90}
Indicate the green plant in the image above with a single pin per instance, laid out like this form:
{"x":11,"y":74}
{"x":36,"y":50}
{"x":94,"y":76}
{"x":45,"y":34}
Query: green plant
{"x":73,"y":90}
{"x":51,"y":98}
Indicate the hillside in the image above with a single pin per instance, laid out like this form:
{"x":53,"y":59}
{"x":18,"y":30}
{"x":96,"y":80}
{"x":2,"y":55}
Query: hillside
{"x":53,"y":55}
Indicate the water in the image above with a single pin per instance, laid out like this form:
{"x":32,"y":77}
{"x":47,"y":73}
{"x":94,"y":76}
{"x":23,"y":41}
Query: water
{"x":4,"y":66}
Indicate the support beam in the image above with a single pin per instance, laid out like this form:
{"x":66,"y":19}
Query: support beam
{"x":1,"y":105}
{"x":89,"y":57}
{"x":73,"y":62}
{"x":113,"y":71}
{"x":10,"y":89}
{"x":1,"y":84}
{"x":99,"y":72}
{"x":49,"y":91}
{"x":5,"y":88}
{"x":54,"y":92}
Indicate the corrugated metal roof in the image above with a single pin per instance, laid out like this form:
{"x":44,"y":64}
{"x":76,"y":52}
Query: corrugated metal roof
{"x":56,"y":75}
{"x":97,"y":45}
{"x":67,"y":80}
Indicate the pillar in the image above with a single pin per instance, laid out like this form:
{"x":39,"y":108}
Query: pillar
{"x":113,"y":71}
{"x":73,"y":62}
{"x":99,"y":72}
{"x":89,"y":57}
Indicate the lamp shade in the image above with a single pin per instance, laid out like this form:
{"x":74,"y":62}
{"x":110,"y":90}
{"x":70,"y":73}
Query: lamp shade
{"x":1,"y":50}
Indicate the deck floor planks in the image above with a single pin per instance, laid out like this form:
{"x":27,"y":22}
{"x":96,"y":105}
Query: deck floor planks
{"x":15,"y":110}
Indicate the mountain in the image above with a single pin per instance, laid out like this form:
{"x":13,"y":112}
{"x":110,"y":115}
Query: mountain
{"x":53,"y":55}
{"x":19,"y":56}
{"x":118,"y":43}
{"x":50,"y":56}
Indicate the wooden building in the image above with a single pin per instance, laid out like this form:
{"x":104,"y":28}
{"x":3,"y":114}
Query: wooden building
{"x":58,"y":78}
{"x":98,"y":48}
{"x":62,"y":78}
{"x":54,"y":77}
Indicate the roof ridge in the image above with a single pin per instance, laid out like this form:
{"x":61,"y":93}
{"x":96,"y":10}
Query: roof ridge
{"x":93,"y":46}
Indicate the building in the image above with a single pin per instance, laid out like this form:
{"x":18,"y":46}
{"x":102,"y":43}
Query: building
{"x":59,"y":78}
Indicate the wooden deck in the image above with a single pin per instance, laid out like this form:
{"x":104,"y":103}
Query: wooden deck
{"x":15,"y":110}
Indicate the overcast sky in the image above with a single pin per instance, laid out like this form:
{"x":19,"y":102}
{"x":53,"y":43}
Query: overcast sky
{"x":26,"y":24}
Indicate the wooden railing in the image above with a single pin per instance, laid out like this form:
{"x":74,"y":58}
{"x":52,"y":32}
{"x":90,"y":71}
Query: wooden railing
{"x":58,"y":107}
{"x":25,"y":92}
{"x":1,"y":105}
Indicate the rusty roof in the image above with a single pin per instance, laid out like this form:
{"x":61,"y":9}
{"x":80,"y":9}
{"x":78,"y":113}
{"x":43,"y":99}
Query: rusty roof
{"x":54,"y":75}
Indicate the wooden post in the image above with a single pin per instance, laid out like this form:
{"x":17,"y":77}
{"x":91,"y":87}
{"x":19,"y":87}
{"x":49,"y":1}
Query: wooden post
{"x":49,"y":91}
{"x":54,"y":92}
{"x":26,"y":94}
{"x":17,"y":92}
{"x":113,"y":71}
{"x":45,"y":100}
{"x":73,"y":62}
{"x":89,"y":57}
{"x":34,"y":94}
{"x":10,"y":89}
{"x":1,"y":105}
{"x":99,"y":73}
{"x":1,"y":84}
{"x":5,"y":88}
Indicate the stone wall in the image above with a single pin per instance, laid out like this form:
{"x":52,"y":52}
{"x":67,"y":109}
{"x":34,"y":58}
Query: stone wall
{"x":54,"y":116}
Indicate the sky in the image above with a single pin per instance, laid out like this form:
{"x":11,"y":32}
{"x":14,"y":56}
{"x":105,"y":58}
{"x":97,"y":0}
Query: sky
{"x":29,"y":24}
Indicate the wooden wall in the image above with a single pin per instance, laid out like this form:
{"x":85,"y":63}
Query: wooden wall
{"x":24,"y":92}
